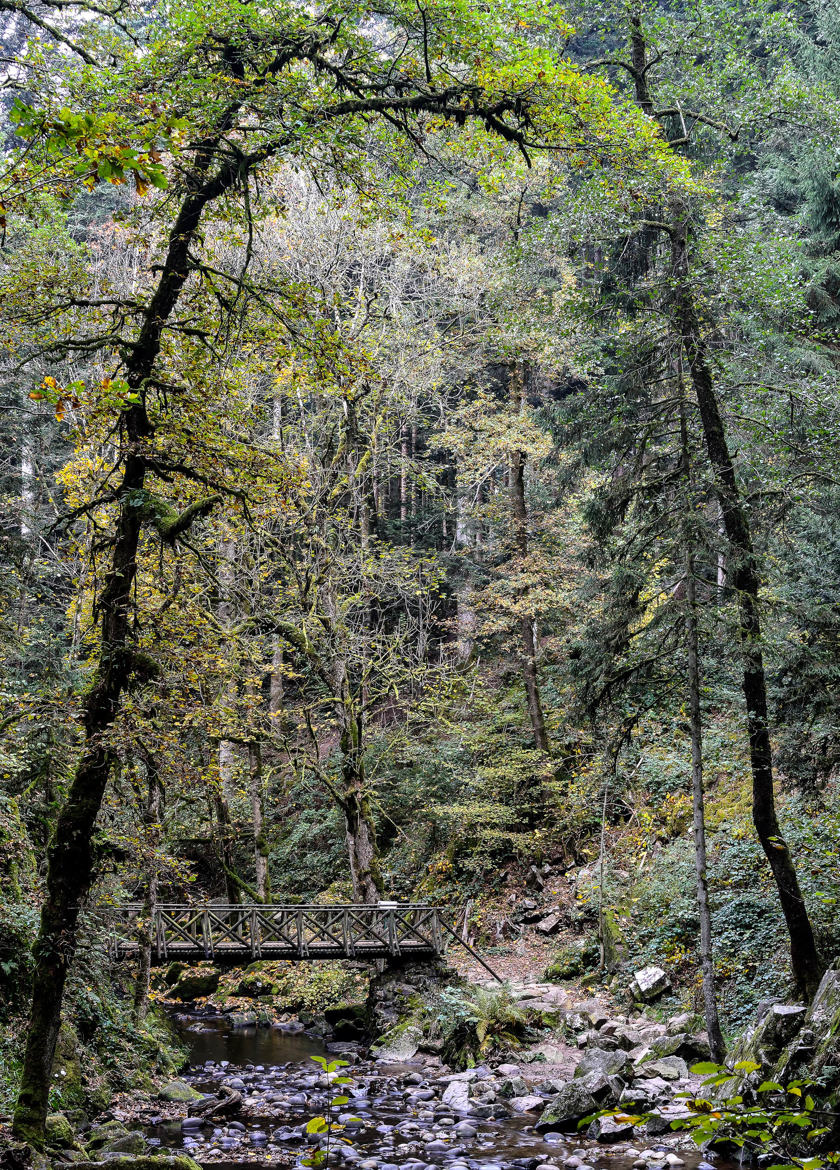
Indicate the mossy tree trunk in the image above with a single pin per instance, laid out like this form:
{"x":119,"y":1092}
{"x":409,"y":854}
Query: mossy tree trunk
{"x":362,"y":848}
{"x":255,"y":779}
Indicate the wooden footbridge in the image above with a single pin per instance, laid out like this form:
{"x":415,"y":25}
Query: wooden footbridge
{"x":235,"y":935}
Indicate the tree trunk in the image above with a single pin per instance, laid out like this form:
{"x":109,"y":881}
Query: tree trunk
{"x":275,"y":686}
{"x":744,"y":579}
{"x":70,"y":856}
{"x":695,"y":718}
{"x":225,"y":830}
{"x":716,"y":1044}
{"x":255,"y":777}
{"x":519,"y":512}
{"x":403,"y":485}
{"x":151,"y":821}
{"x":362,"y":848}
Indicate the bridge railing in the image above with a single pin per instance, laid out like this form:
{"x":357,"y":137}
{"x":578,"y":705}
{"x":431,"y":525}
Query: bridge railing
{"x":270,"y":931}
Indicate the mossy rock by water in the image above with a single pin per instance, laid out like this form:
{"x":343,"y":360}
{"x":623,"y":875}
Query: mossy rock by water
{"x":256,"y":983}
{"x":100,"y":1135}
{"x":173,"y":973}
{"x":296,"y":987}
{"x":399,"y":1043}
{"x":142,"y":1162}
{"x":197,"y":983}
{"x":178,"y":1091}
{"x":128,"y":1143}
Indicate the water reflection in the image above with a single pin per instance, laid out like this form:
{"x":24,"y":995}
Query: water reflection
{"x":211,"y":1038}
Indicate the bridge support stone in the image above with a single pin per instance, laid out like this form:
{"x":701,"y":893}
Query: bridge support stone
{"x":399,"y":991}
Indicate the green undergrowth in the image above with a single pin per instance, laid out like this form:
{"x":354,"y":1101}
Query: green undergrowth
{"x":115,"y":1055}
{"x":649,"y":897}
{"x":467,"y":1024}
{"x":285,"y":986}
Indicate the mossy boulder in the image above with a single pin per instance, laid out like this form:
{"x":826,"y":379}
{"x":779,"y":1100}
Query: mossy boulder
{"x":178,"y":1091}
{"x":576,"y":1100}
{"x":67,"y":1068}
{"x":603,"y":1061}
{"x":824,"y":1022}
{"x":398,"y":1043}
{"x":196,"y":983}
{"x":173,"y":973}
{"x":572,"y":960}
{"x":59,"y":1131}
{"x":127,"y":1143}
{"x":256,"y":982}
{"x":242,"y":1019}
{"x":142,"y":1162}
{"x":108,"y":1131}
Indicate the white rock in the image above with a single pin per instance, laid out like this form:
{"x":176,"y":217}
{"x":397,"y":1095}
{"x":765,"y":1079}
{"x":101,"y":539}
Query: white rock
{"x":650,"y":983}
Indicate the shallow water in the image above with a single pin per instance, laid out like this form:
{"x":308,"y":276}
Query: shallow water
{"x":277,"y":1063}
{"x":213,"y":1039}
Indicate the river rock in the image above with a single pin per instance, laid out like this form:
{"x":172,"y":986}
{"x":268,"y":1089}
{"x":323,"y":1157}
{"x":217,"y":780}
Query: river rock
{"x":529,"y":1103}
{"x":610,"y":1130}
{"x":603,"y":1061}
{"x":669,"y":1068}
{"x":195,"y":984}
{"x":576,"y":1100}
{"x":178,"y":1091}
{"x":242,"y":1019}
{"x":398,"y":1044}
{"x":127,"y":1143}
{"x":513,"y":1087}
{"x":456,"y":1096}
{"x":690,"y":1048}
{"x":100,"y":1135}
{"x":649,"y":984}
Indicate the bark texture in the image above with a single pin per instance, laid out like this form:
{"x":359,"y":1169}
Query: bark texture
{"x":255,"y":776}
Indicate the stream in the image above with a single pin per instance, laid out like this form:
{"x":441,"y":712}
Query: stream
{"x":395,"y":1119}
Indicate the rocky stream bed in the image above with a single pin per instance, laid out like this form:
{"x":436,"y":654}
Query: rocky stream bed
{"x":412,"y":1114}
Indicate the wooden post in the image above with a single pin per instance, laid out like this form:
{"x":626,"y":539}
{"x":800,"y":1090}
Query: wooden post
{"x":255,"y":938}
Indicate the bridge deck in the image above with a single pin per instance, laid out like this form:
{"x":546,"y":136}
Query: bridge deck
{"x":237,"y":934}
